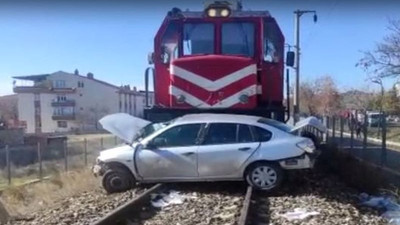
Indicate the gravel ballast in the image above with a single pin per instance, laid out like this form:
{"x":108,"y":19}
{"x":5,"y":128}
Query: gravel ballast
{"x":220,"y":203}
{"x":314,"y":192}
{"x":83,"y":209}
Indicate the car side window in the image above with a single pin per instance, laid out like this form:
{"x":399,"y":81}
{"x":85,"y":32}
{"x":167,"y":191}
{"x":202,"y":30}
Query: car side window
{"x":181,"y":135}
{"x":262,"y":134}
{"x":220,"y":133}
{"x":244,"y":134}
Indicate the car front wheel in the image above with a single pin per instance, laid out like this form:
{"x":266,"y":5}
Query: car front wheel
{"x":264,"y":176}
{"x":117,"y":180}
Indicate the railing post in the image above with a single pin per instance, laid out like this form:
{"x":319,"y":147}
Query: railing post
{"x":383,"y":156}
{"x":65,"y":156}
{"x":101,"y":143}
{"x":8,"y":165}
{"x":115,"y":140}
{"x":333,"y":128}
{"x":39,"y":154}
{"x":341,"y":131}
{"x":365,"y":134}
{"x":85,"y":151}
{"x":351,"y":134}
{"x":327,"y":132}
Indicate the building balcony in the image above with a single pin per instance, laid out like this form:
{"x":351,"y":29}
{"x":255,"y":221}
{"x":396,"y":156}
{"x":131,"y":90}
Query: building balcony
{"x":63,"y":117}
{"x":63,"y":103}
{"x":42,"y":89}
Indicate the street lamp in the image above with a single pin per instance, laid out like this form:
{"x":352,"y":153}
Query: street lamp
{"x":296,"y":102}
{"x":379,"y":81}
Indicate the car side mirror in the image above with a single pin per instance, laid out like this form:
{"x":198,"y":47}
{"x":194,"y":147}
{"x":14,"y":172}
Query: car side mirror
{"x":290,"y":58}
{"x":158,"y":141}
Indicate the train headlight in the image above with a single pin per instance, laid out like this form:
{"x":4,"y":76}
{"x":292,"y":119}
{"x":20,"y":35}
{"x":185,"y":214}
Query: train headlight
{"x":212,"y":12}
{"x":225,"y":12}
{"x":218,"y":12}
{"x":244,"y":98}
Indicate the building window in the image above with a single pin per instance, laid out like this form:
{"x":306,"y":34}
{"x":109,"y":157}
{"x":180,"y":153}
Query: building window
{"x":59,"y":111}
{"x":59,"y":84}
{"x":61,"y":98}
{"x":81,"y":108}
{"x":62,"y":124}
{"x":81,"y":84}
{"x":80,"y":95}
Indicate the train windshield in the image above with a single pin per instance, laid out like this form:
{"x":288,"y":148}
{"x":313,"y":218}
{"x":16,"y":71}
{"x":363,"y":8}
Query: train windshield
{"x":198,"y":38}
{"x":238,"y":39}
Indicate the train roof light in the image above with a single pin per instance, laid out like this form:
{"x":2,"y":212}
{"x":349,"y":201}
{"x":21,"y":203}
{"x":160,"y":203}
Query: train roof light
{"x":218,"y":11}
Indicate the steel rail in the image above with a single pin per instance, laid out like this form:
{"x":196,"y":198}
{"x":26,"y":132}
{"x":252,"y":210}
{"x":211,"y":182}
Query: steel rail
{"x":246,"y":206}
{"x":119,"y":213}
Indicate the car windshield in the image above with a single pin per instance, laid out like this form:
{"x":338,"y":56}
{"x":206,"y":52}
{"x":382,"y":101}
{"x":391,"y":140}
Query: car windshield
{"x":276,"y":124}
{"x":150,"y":129}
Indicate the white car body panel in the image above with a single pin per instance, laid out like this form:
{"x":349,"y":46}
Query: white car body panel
{"x":309,"y":121}
{"x":202,"y":162}
{"x":123,"y":125}
{"x":224,"y":160}
{"x":167,"y":163}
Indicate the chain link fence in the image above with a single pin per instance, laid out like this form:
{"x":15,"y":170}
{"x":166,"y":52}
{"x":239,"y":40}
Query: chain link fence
{"x":34,"y":162}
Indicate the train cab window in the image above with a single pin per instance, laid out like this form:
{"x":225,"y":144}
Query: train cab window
{"x":273,"y":47}
{"x":238,"y":39}
{"x":198,"y":38}
{"x":170,"y":43}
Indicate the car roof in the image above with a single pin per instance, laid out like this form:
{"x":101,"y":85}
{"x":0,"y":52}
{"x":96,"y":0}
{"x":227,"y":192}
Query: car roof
{"x":217,"y":118}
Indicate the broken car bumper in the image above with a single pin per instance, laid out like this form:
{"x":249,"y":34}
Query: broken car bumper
{"x":305,"y":161}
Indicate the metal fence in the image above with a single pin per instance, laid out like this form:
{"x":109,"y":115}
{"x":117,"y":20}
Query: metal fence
{"x":365,"y":142}
{"x":27,"y":163}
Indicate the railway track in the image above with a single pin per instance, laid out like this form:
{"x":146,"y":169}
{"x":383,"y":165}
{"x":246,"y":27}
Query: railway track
{"x":204,"y":203}
{"x":219,"y":203}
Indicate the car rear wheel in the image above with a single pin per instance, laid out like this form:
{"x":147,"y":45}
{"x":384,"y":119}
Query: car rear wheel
{"x":264,"y":176}
{"x":117,"y":180}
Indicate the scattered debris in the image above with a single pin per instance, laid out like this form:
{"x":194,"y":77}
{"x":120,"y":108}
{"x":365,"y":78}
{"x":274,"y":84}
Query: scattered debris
{"x":165,"y":199}
{"x":388,"y":204}
{"x":298,"y":214}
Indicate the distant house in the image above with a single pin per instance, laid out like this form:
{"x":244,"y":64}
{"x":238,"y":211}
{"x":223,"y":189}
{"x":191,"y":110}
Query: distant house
{"x":64,"y":102}
{"x":9,"y":112}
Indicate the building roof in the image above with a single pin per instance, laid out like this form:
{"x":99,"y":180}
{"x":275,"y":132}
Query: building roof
{"x":33,"y":77}
{"x":41,"y":77}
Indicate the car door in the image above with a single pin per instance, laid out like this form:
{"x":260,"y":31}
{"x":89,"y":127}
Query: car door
{"x":226,"y":146}
{"x":173,"y":154}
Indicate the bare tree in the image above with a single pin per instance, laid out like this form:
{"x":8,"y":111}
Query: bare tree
{"x":384,"y":60}
{"x":319,"y":97}
{"x":88,"y":119}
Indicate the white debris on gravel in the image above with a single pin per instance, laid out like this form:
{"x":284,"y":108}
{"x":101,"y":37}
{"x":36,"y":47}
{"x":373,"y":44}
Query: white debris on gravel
{"x":335,"y":203}
{"x":298,"y":214}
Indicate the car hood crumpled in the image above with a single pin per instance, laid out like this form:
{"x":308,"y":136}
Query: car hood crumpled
{"x":123,"y":125}
{"x":309,"y":121}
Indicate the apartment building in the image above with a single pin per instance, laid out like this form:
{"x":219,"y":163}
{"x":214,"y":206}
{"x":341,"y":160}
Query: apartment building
{"x":65,"y":102}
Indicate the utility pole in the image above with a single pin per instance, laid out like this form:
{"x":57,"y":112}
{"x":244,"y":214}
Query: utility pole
{"x":296,"y":101}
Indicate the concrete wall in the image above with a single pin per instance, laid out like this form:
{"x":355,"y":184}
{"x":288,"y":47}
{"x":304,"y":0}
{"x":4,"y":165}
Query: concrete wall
{"x":11,"y":137}
{"x":26,"y":110}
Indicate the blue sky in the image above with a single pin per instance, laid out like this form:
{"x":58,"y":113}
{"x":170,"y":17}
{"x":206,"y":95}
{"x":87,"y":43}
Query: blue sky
{"x":112,"y":38}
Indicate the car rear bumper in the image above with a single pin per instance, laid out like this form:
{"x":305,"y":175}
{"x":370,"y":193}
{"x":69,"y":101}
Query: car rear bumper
{"x":305,"y":161}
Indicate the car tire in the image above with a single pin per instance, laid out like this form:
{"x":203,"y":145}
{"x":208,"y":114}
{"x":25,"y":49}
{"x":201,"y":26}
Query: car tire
{"x":265,"y":176}
{"x":117,"y":180}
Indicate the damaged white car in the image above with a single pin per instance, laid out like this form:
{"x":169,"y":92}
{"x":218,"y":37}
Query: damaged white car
{"x":203,"y":147}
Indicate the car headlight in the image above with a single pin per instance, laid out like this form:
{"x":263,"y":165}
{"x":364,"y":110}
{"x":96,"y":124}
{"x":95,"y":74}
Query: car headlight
{"x":306,"y":145}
